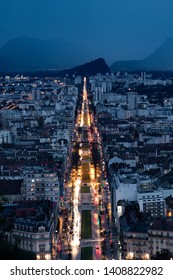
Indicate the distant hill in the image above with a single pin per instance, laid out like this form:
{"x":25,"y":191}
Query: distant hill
{"x":160,"y":59}
{"x":25,"y":54}
{"x":88,"y":69}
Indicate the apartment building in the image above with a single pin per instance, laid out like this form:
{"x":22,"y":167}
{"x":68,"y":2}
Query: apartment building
{"x":40,"y":183}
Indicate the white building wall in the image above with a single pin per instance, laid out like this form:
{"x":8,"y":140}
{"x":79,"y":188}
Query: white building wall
{"x":5,"y":136}
{"x":154,"y":200}
{"x":41,"y":186}
{"x":167,"y":192}
{"x":127,"y":192}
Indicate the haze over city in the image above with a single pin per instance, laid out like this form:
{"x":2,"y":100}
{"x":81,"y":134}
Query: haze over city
{"x":112,"y":29}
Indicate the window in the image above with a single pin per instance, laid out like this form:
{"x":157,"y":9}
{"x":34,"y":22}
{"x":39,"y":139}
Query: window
{"x":42,"y":247}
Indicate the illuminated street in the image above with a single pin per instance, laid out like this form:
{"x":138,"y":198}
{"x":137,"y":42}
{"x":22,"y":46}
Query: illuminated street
{"x":87,"y":195}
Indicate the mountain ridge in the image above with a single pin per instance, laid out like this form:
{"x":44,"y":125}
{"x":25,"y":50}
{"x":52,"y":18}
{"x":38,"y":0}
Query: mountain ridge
{"x":160,"y":59}
{"x":32,"y":54}
{"x":87,"y":69}
{"x":28,"y":54}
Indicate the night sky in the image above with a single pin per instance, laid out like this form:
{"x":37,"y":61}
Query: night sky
{"x":114,"y":29}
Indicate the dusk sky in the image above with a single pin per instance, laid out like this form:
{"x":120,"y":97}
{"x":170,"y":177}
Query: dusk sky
{"x":114,"y":29}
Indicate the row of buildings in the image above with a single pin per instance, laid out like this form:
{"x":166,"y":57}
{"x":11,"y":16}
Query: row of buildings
{"x":37,"y":117}
{"x":134,"y":115}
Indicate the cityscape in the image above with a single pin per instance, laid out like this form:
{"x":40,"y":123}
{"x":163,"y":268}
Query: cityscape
{"x":86,"y":135}
{"x":86,"y":167}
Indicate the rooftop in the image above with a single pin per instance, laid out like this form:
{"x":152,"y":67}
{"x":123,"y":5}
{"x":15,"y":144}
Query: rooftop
{"x":162,"y":224}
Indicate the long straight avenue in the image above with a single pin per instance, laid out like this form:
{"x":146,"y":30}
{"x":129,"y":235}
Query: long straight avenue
{"x":86,"y":231}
